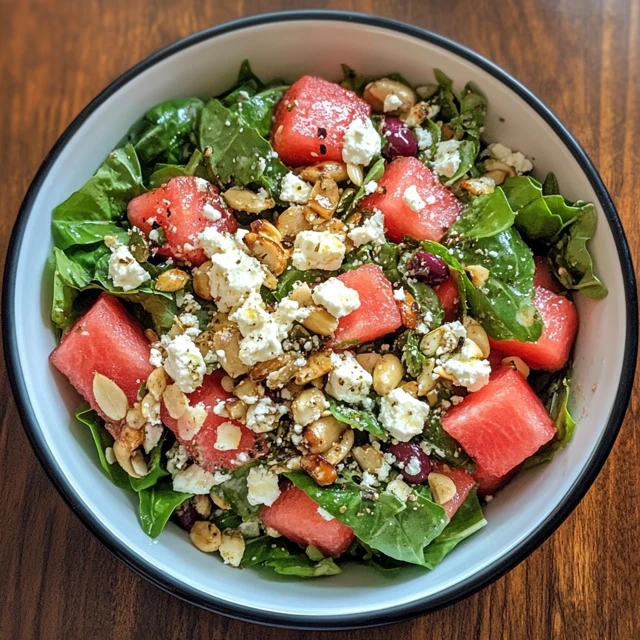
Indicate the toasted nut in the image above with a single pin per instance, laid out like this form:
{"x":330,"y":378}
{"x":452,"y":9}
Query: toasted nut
{"x":432,"y":398}
{"x":248,"y":391}
{"x":205,"y":536}
{"x":324,"y":197}
{"x":323,"y":433}
{"x":368,"y":360}
{"x":279,"y":378}
{"x":200,"y":281}
{"x":368,"y":458}
{"x":232,"y":547}
{"x":291,"y":222}
{"x":157,"y":382}
{"x":149,"y":406}
{"x":492,"y":164}
{"x":262,"y":370}
{"x":478,"y":186}
{"x":333,"y":226}
{"x":317,"y":365}
{"x":426,"y":380}
{"x":302,"y":295}
{"x":340,"y":450}
{"x":356,"y":174}
{"x":134,"y":418}
{"x":236,"y":409}
{"x":220,"y":321}
{"x":242,"y":199}
{"x":318,"y":383}
{"x":389,"y":96}
{"x":204,"y":342}
{"x":175,"y":401}
{"x":477,"y":274}
{"x":430,"y":343}
{"x":308,"y":406}
{"x":411,"y":388}
{"x":220,"y":502}
{"x":476,"y":332}
{"x":270,"y":281}
{"x":335,"y":170}
{"x":321,"y":322}
{"x":191,"y":421}
{"x":123,"y":457}
{"x":139,"y":464}
{"x":442,"y":487}
{"x":111,"y":399}
{"x":497,"y":175}
{"x":449,"y":132}
{"x":131,"y":438}
{"x":409,"y":311}
{"x":517,"y":364}
{"x":227,"y":384}
{"x":271,"y":253}
{"x":172,"y":280}
{"x":151,"y":335}
{"x":319,"y":469}
{"x":202,"y":504}
{"x":228,"y":341}
{"x":415,"y":116}
{"x":387,"y":374}
{"x":265,"y":228}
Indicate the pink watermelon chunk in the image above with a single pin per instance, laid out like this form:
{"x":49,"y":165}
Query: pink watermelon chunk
{"x":378,"y":312}
{"x":551,"y":351}
{"x":179,"y":208}
{"x":106,"y":340}
{"x":447,"y":292}
{"x":463,"y":481}
{"x":544,"y":276}
{"x":311,"y":120}
{"x":201,"y":446}
{"x":488,"y":484}
{"x":295,"y":515}
{"x":502,"y":424}
{"x":440,"y":211}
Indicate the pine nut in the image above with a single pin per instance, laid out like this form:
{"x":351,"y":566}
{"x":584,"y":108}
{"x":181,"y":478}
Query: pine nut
{"x":171,"y":280}
{"x":387,"y":374}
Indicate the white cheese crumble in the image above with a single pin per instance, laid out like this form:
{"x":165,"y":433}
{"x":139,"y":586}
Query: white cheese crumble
{"x":228,"y":437}
{"x":348,"y":380}
{"x":514,"y":159}
{"x":467,"y":369}
{"x":423,"y":138}
{"x":369,"y":479}
{"x":370,"y":187}
{"x":124,"y":270}
{"x":194,"y":479}
{"x":152,"y":435}
{"x":318,"y":250}
{"x":371,"y":230}
{"x":210,"y":212}
{"x":447,"y":158}
{"x":202,"y":185}
{"x":413,"y":467}
{"x":338,"y":299}
{"x":325,"y":515}
{"x":391,"y":102}
{"x":264,"y":415}
{"x":294,"y":189}
{"x":402,"y":415}
{"x":400,"y":294}
{"x":262,"y":486}
{"x":361,"y":142}
{"x":155,"y":357}
{"x":412,"y":199}
{"x":249,"y":529}
{"x":184,"y":363}
{"x":177,"y":458}
{"x":399,"y":488}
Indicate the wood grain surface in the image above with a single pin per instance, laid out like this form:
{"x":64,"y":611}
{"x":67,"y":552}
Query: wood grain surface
{"x":582,"y":57}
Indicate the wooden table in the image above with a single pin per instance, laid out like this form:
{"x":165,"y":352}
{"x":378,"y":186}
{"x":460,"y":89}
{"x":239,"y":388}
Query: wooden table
{"x":582,"y":57}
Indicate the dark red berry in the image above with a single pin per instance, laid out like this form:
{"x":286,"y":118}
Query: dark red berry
{"x":412,"y":461}
{"x":400,"y":139}
{"x":427,"y":268}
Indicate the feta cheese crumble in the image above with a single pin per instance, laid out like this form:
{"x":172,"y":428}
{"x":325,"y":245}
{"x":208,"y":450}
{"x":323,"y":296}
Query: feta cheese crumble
{"x":184,"y":363}
{"x":402,"y":415}
{"x":412,"y":199}
{"x":447,"y":158}
{"x":210,"y":212}
{"x":423,"y":138}
{"x":194,"y":479}
{"x":466,"y":368}
{"x":338,"y":299}
{"x":124,"y":270}
{"x":262,"y":486}
{"x":264,"y":415}
{"x":370,"y":187}
{"x":348,"y":380}
{"x":361,"y":142}
{"x":325,"y":515}
{"x":318,"y":250}
{"x":391,"y":103}
{"x":514,"y":159}
{"x":371,"y":230}
{"x":294,"y":189}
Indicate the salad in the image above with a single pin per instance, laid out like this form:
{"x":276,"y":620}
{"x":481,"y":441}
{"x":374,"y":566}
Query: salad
{"x":320,"y":323}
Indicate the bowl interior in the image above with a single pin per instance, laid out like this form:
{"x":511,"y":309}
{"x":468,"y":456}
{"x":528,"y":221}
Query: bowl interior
{"x":289,"y":49}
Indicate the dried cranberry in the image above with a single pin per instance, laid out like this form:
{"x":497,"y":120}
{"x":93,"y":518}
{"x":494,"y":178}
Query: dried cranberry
{"x":427,"y":268}
{"x":186,"y":515}
{"x":413,"y":462}
{"x":401,"y":140}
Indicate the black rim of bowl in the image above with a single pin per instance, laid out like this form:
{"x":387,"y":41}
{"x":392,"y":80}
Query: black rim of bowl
{"x":413,"y":609}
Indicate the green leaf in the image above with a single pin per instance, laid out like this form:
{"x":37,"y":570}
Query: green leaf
{"x":468,"y":151}
{"x":360,"y":419}
{"x":68,"y":278}
{"x":411,"y":354}
{"x":164,"y":172}
{"x":235,"y":492}
{"x":103,"y":439}
{"x":473,"y":109}
{"x":354,"y":81}
{"x":550,"y":186}
{"x":441,"y":443}
{"x":239,"y":154}
{"x":426,"y":155}
{"x":256,"y":110}
{"x":157,"y":469}
{"x":156,"y":505}
{"x":428,"y":301}
{"x":291,"y":275}
{"x":444,"y":97}
{"x":455,"y":269}
{"x":388,"y":525}
{"x":487,"y":215}
{"x":373,"y":175}
{"x":572,"y":262}
{"x":466,"y":521}
{"x":386,"y":256}
{"x":92,"y":212}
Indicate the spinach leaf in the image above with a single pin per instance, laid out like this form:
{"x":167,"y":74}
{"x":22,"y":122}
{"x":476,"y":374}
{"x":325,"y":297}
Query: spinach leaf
{"x":291,"y":275}
{"x":360,"y":419}
{"x":572,"y":262}
{"x":386,"y":256}
{"x":466,"y":521}
{"x":473,"y":110}
{"x":164,"y":133}
{"x":344,"y":204}
{"x":373,"y":175}
{"x":156,"y":505}
{"x":157,"y":469}
{"x":411,"y":354}
{"x":468,"y":151}
{"x":246,"y":74}
{"x":550,"y":186}
{"x":353,"y":80}
{"x":92,"y":212}
{"x":441,"y":443}
{"x":239,"y":154}
{"x":430,"y":306}
{"x":164,"y":172}
{"x":388,"y":525}
{"x":68,"y":278}
{"x":486,"y":216}
{"x":103,"y":439}
{"x":235,"y":492}
{"x":444,"y":97}
{"x":256,"y":110}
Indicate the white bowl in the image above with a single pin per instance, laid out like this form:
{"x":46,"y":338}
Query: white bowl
{"x":290,"y":45}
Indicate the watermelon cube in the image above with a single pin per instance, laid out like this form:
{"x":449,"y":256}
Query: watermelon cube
{"x":106,"y":340}
{"x":378,"y":312}
{"x":488,"y":485}
{"x":311,"y":120}
{"x":295,"y":515}
{"x":551,"y":351}
{"x":502,"y":424}
{"x":439,"y":208}
{"x":463,"y":481}
{"x":201,"y":447}
{"x":544,"y":276}
{"x":447,"y":293}
{"x":183,"y":208}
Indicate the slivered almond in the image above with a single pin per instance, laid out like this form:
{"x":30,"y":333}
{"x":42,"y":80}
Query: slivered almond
{"x":123,"y":457}
{"x":111,"y":399}
{"x":318,"y":364}
{"x":139,"y":464}
{"x":175,"y":401}
{"x":442,"y":487}
{"x":191,"y":421}
{"x":157,"y":382}
{"x":135,"y":419}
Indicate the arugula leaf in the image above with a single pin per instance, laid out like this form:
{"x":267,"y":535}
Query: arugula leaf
{"x":156,"y":505}
{"x":239,"y":154}
{"x":444,"y":97}
{"x":487,"y":215}
{"x":157,"y":469}
{"x":235,"y":492}
{"x":466,"y":521}
{"x":360,"y":419}
{"x":163,"y":134}
{"x":411,"y":354}
{"x":397,"y":529}
{"x":92,"y":212}
{"x":373,"y":175}
{"x":103,"y":439}
{"x":550,"y":186}
{"x":572,"y":262}
{"x":473,"y":110}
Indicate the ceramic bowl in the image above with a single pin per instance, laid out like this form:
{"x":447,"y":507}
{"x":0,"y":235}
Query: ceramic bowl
{"x":289,"y":45}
